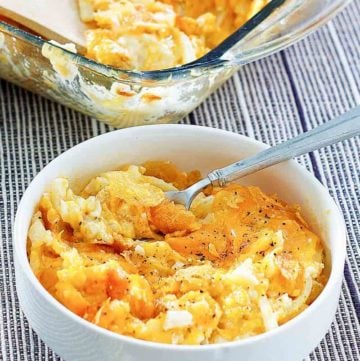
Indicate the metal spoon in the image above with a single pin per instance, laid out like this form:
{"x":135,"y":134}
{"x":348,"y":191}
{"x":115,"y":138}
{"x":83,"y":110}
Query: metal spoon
{"x":345,"y":126}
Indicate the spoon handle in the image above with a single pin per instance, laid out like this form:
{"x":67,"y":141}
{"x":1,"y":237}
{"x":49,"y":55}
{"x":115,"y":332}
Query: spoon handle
{"x":345,"y":126}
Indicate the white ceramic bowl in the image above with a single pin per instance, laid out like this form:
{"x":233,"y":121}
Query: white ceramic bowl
{"x":190,"y":147}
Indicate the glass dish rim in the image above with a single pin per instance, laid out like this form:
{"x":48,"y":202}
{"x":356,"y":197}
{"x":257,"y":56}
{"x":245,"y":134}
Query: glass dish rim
{"x":182,"y":71}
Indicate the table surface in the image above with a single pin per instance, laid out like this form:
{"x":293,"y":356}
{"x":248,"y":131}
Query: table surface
{"x":271,"y":100}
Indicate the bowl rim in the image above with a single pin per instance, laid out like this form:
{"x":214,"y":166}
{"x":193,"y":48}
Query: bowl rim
{"x":336,"y":273}
{"x":184,"y":71}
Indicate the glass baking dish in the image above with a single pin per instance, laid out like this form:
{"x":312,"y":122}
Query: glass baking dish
{"x":128,"y":98}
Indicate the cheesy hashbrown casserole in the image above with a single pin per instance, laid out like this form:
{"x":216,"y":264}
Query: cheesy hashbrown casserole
{"x":159,"y":34}
{"x":122,"y":256}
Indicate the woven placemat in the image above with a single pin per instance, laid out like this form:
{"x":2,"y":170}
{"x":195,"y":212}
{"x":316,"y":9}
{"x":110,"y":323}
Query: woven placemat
{"x":270,"y":100}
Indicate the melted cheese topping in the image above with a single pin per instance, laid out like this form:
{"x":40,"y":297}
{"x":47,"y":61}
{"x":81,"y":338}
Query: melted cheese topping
{"x":159,"y":34}
{"x":120,"y":255}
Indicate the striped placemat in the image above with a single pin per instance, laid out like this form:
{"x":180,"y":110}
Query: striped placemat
{"x":270,"y":100}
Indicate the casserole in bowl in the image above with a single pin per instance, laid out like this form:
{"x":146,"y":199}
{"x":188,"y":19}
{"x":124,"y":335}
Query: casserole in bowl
{"x":190,"y":148}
